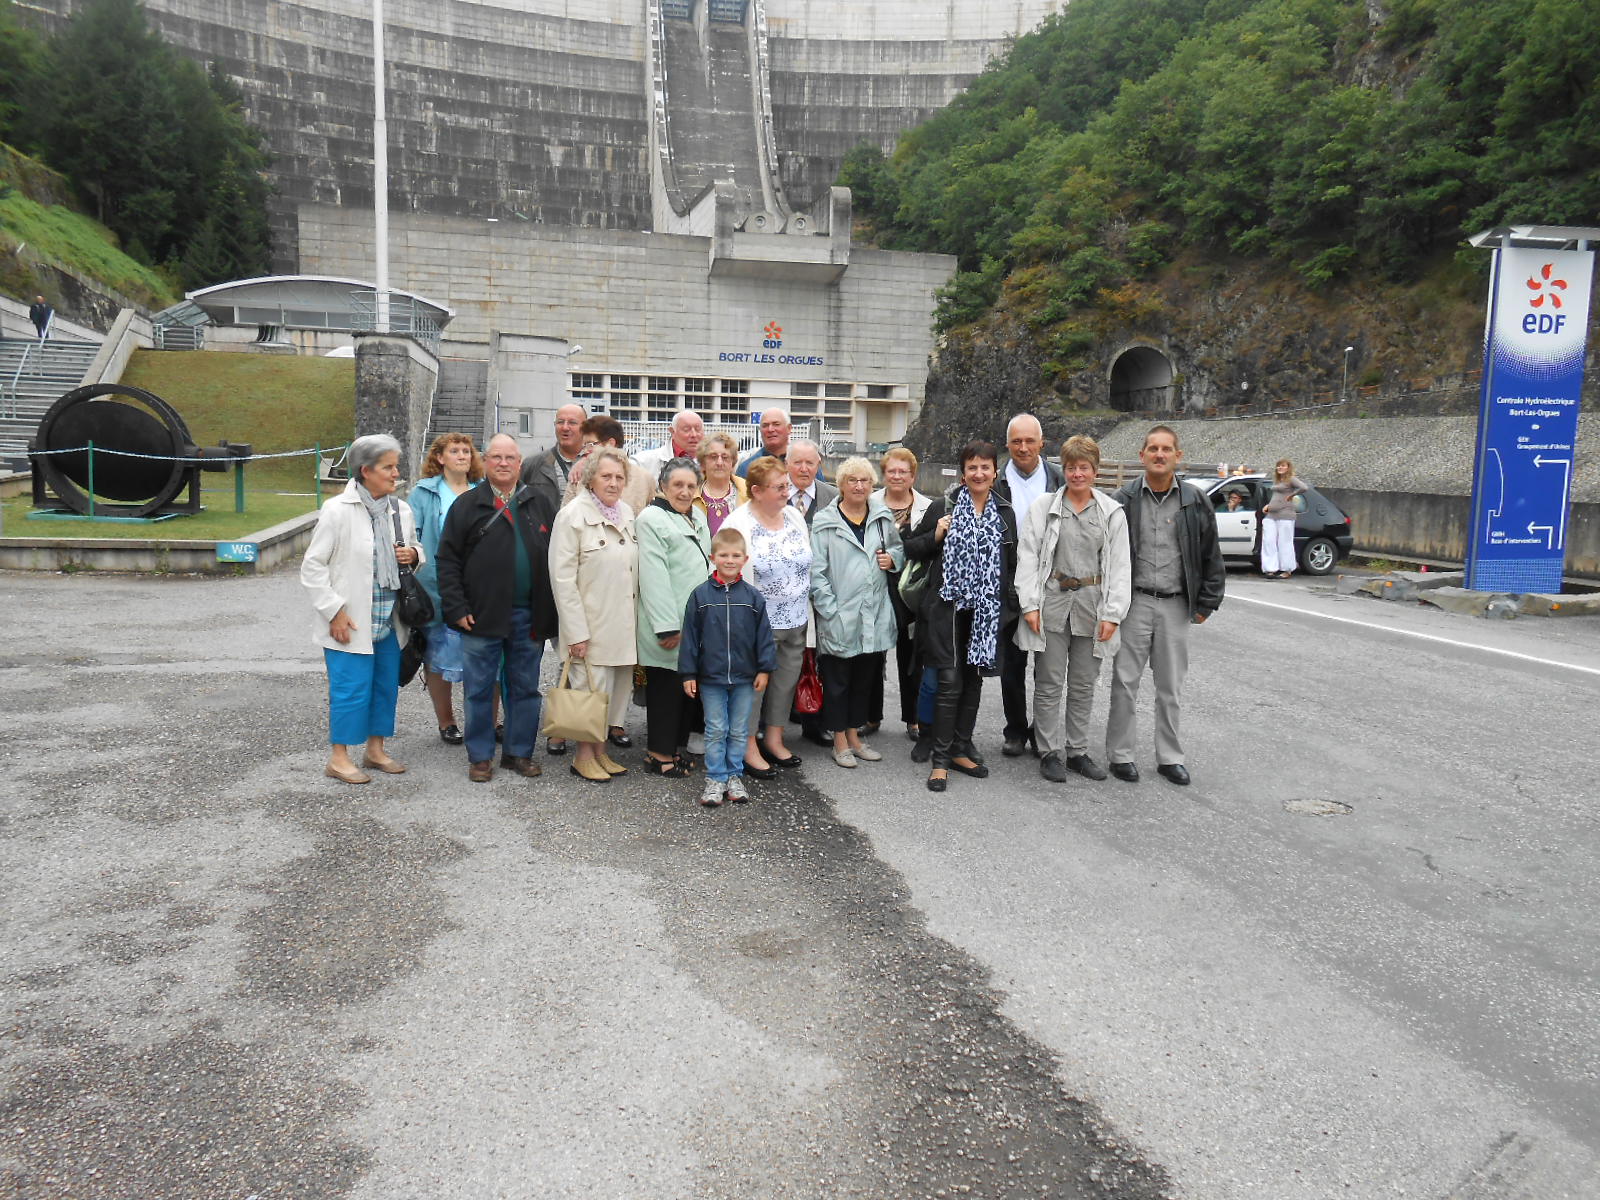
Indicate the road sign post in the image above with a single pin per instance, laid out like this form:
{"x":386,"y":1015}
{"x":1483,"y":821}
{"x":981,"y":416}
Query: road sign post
{"x":1533,"y":351}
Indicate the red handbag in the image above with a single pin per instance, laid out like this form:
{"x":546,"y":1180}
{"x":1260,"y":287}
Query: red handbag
{"x":808,"y":692}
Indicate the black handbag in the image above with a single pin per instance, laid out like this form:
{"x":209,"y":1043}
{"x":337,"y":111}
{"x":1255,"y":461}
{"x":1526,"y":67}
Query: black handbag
{"x":412,"y":655}
{"x":412,"y":605}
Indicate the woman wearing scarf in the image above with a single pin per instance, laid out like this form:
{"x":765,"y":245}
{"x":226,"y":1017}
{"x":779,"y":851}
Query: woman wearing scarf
{"x":674,"y":559}
{"x":969,"y":540}
{"x":594,"y":567}
{"x":352,"y":570}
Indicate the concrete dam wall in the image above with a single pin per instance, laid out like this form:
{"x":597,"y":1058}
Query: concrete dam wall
{"x":539,"y":110}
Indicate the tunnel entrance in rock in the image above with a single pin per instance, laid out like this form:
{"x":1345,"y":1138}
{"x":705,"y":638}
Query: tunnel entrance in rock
{"x":1141,"y":380}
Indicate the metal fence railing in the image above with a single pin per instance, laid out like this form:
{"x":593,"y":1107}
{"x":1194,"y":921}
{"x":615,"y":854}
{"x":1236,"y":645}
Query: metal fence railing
{"x":405,"y":315}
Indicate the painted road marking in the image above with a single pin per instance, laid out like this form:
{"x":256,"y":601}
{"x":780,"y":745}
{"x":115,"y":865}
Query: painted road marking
{"x":1427,"y":637}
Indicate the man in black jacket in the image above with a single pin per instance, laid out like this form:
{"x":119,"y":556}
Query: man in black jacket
{"x":494,"y":585}
{"x":1023,"y":478}
{"x":1178,"y":580}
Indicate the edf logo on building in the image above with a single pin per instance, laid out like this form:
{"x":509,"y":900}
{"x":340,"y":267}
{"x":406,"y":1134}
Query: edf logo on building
{"x":1544,"y":288}
{"x":774,"y":336}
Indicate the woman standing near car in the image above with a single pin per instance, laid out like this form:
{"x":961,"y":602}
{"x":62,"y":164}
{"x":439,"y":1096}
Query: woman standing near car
{"x":1277,"y":521}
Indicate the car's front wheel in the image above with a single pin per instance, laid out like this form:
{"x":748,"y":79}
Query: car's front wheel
{"x":1319,"y":556}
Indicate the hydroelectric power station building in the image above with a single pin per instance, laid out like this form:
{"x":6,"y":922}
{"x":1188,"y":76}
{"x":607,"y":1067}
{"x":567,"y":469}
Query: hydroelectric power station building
{"x":649,"y":180}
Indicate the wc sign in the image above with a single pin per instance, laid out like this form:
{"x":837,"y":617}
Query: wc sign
{"x":1528,"y":416}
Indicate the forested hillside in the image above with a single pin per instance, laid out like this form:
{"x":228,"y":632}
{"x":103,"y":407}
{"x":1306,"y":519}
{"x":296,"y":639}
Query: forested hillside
{"x":1323,"y":144}
{"x":157,"y":150}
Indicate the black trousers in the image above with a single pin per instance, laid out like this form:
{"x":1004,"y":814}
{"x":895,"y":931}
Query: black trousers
{"x":847,"y":688}
{"x":908,"y":670}
{"x":669,"y":714}
{"x":955,"y":708}
{"x":1014,"y":685}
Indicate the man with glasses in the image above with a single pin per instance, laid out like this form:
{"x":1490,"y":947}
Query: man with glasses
{"x":494,"y":585}
{"x":547,"y":473}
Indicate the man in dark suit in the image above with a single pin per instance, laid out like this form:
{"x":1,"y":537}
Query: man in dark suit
{"x":808,"y":492}
{"x":547,"y":473}
{"x":1023,"y":477}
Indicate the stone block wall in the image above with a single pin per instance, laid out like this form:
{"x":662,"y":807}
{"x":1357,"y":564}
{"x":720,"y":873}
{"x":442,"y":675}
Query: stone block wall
{"x":395,"y":381}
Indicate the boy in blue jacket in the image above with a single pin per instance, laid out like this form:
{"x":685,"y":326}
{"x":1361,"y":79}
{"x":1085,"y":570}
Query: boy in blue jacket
{"x":725,"y":656}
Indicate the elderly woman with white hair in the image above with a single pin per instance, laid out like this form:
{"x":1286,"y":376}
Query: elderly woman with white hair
{"x":364,"y":536}
{"x":594,"y":573}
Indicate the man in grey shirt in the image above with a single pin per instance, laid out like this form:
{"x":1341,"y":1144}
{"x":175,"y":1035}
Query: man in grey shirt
{"x":1178,"y":580}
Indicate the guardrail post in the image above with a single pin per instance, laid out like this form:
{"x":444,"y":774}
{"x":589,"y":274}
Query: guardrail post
{"x":91,"y":479}
{"x":238,"y":485}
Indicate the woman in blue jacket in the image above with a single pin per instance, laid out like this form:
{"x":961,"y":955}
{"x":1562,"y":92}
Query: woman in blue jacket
{"x":452,"y":465}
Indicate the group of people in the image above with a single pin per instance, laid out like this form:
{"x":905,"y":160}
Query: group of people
{"x":723,"y":583}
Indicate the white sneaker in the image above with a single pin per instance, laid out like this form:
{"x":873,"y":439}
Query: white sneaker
{"x":845,"y":757}
{"x":711,"y":794}
{"x":867,"y":754}
{"x":697,"y":744}
{"x":736,"y":790}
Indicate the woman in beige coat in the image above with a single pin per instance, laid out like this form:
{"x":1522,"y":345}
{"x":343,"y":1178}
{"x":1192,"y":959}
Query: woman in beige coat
{"x":594,"y":571}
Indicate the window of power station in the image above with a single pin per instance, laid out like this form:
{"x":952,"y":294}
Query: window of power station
{"x":631,"y":397}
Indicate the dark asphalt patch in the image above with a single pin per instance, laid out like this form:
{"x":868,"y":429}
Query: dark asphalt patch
{"x":195,"y":1117}
{"x":347,"y":919}
{"x":788,"y":918}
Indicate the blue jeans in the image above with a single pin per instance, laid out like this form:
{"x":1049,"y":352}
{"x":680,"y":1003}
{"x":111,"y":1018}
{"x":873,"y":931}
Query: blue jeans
{"x":521,"y":655}
{"x":363,"y":690}
{"x":727,"y":708}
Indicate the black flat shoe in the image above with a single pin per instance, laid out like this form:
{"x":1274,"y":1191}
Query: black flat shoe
{"x":1086,"y":766}
{"x":1126,"y":772}
{"x":788,"y":764}
{"x":977,"y":770}
{"x":671,"y":768}
{"x":557,"y":746}
{"x":758,"y":773}
{"x":619,"y":739}
{"x":450,"y":735}
{"x":913,"y":731}
{"x":938,"y":785}
{"x":1174,"y":773}
{"x":923,"y":750}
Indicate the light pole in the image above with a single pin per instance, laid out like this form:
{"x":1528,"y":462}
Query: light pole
{"x":1344,"y":381}
{"x":380,"y":172}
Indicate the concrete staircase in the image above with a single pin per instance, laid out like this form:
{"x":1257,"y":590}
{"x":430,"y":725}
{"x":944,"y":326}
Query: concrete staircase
{"x":458,"y":403}
{"x":48,"y":371}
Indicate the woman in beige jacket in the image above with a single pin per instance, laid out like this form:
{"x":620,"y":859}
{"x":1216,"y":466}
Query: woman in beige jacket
{"x":594,"y":572}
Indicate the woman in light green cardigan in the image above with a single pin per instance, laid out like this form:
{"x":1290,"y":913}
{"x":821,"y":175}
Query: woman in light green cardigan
{"x":674,"y":558}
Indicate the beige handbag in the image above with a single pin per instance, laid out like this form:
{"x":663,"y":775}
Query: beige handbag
{"x":577,"y":715}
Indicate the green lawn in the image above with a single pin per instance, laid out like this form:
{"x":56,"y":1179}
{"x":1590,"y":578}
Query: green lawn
{"x":274,"y":402}
{"x":218,"y":523}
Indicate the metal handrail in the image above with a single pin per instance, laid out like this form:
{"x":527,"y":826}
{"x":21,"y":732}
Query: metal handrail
{"x":16,"y":376}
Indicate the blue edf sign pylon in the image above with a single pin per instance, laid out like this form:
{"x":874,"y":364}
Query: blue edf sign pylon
{"x":1533,"y":352}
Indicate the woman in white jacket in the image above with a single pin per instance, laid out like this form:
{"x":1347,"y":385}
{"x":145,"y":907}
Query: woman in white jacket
{"x":1074,"y":585}
{"x":352,"y":570}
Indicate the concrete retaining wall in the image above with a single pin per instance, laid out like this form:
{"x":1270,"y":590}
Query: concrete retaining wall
{"x":276,"y":545}
{"x":395,"y":383}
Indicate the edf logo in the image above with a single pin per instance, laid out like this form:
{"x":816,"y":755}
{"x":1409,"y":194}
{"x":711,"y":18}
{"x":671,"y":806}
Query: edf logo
{"x":1549,"y":322}
{"x":774,"y":332}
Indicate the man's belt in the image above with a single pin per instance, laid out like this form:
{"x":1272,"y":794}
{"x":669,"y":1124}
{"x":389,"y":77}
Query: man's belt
{"x":1071,"y":583}
{"x":1158,"y":595}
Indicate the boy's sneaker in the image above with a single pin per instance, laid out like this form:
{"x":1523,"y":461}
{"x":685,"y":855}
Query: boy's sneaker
{"x":711,"y":794}
{"x":736,"y":790}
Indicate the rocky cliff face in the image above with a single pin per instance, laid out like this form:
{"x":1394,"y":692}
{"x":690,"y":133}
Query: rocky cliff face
{"x":1240,"y":338}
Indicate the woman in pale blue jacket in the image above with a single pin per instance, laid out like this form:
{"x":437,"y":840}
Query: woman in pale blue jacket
{"x":854,"y":548}
{"x":451,"y":466}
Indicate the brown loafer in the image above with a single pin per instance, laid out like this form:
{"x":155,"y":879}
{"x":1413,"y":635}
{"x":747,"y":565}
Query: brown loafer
{"x":481,"y":772}
{"x":388,"y":765}
{"x":525,"y":767}
{"x":350,"y":776}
